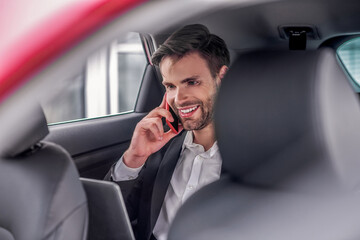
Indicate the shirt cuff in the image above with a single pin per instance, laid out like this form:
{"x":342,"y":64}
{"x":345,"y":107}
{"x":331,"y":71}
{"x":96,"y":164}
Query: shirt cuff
{"x":122,"y":172}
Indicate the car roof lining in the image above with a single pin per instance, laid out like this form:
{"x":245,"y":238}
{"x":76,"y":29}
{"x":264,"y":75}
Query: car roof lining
{"x":257,"y":26}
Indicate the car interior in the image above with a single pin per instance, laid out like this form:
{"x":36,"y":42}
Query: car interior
{"x":287,"y":123}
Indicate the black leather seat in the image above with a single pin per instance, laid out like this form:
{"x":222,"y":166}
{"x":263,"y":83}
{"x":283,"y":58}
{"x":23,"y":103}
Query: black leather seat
{"x":41,"y":196}
{"x":288,"y":128}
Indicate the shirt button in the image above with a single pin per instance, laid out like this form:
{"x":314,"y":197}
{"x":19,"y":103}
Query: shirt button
{"x":190,"y":187}
{"x":130,"y":178}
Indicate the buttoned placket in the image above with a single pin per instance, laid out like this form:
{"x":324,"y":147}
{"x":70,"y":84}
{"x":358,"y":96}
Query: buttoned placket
{"x":194,"y":177}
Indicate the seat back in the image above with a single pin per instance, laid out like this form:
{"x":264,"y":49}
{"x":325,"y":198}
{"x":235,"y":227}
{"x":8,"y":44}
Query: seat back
{"x":41,"y":196}
{"x":108,"y":217}
{"x":287,"y":124}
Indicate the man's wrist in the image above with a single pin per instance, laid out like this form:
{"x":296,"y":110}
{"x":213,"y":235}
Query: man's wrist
{"x":121,"y":172}
{"x":133,"y":161}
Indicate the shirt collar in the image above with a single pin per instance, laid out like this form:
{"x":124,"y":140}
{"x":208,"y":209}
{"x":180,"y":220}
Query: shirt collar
{"x":197,"y":148}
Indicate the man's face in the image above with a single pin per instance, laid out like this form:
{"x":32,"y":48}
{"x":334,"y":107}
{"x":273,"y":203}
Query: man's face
{"x":190,"y":89}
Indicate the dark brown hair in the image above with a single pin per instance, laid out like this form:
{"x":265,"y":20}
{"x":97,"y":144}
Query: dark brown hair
{"x":195,"y":38}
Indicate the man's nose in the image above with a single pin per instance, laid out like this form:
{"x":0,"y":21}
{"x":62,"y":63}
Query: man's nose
{"x":180,"y":96}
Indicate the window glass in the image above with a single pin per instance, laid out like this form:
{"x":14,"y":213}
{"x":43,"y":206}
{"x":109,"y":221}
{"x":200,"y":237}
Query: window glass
{"x":349,"y":54}
{"x":109,"y":83}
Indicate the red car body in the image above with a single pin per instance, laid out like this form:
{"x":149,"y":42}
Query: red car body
{"x":41,"y":45}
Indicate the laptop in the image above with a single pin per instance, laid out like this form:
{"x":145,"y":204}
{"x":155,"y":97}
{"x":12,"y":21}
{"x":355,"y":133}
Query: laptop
{"x":108,"y":218}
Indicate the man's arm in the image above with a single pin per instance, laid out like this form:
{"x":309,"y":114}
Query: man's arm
{"x":149,"y":136}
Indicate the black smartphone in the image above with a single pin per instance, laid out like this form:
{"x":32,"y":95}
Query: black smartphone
{"x":174,"y":126}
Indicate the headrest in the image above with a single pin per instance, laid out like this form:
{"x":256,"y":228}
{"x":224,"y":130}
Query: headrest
{"x":289,"y":119}
{"x":23,"y":132}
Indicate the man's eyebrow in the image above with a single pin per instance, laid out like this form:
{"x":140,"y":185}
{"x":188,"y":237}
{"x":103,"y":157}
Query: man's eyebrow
{"x":166,"y":83}
{"x":192,"y":78}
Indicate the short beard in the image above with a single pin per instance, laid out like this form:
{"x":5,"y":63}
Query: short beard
{"x":207,"y":116}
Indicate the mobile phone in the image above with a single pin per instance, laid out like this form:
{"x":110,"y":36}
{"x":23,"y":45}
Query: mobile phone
{"x":174,"y":126}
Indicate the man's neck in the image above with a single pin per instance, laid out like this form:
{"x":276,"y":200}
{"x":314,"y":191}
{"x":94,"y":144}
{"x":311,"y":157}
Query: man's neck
{"x":205,"y":136}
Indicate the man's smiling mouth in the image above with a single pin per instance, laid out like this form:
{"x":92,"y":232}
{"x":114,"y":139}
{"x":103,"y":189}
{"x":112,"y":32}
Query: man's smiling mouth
{"x":187,"y":112}
{"x":189,"y":109}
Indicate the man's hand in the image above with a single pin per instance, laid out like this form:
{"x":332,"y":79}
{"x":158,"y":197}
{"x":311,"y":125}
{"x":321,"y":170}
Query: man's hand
{"x":149,"y":136}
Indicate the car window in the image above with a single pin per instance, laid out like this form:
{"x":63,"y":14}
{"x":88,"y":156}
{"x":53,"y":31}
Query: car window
{"x":349,"y":54}
{"x":108,"y":85}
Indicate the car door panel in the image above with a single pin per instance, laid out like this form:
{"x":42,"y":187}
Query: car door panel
{"x":95,"y":144}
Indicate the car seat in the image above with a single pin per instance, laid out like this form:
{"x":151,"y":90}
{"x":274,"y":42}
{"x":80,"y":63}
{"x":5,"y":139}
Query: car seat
{"x":288,"y":130}
{"x":41,"y":197}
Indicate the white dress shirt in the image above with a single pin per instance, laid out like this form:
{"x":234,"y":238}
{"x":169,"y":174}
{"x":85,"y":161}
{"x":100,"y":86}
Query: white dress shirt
{"x":194,"y":169}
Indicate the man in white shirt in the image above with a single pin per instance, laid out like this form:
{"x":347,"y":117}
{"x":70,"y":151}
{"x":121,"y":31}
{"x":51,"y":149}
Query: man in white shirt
{"x":161,"y":169}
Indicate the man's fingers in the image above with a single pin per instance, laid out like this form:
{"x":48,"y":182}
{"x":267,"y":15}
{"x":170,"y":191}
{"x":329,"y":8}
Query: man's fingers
{"x":159,"y":125}
{"x":161,"y":112}
{"x":152,"y":131}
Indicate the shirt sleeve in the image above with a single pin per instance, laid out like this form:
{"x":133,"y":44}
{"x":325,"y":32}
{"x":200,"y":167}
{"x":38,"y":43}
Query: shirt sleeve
{"x":122,"y":172}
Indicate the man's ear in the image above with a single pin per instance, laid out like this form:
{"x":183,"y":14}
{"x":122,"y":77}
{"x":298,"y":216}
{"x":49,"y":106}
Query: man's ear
{"x":222,"y":72}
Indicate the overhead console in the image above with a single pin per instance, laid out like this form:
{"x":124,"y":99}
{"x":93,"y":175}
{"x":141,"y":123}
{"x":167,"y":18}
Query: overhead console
{"x":298,"y":35}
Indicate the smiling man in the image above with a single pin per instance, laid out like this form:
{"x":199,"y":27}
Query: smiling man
{"x":161,"y":169}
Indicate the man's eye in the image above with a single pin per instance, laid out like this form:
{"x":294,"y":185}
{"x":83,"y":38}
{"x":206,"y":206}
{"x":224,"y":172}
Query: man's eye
{"x":192,"y":83}
{"x":170,"y":87}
